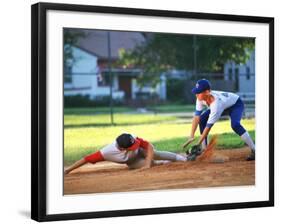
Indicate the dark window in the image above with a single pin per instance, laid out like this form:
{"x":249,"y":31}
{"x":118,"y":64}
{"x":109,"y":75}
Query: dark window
{"x":248,"y":75}
{"x":236,"y":75}
{"x":103,"y":79}
{"x":67,"y":74}
{"x":230,"y":73}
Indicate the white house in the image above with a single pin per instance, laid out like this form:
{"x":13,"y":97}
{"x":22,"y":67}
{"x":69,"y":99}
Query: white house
{"x":84,"y":77}
{"x":90,"y":74}
{"x":244,"y":73}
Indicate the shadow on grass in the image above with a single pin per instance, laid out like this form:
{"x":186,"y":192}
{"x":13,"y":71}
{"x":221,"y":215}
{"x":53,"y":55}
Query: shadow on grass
{"x":95,"y":111}
{"x":171,"y":145}
{"x":88,"y":125}
{"x":229,"y":140}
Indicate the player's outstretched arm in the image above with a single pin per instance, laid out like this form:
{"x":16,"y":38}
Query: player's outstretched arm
{"x":204,"y":135}
{"x":194,"y":126}
{"x":149,"y":156}
{"x":74,"y":166}
{"x":195,"y":122}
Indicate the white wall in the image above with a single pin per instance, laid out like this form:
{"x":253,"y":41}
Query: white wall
{"x":245,"y":85}
{"x":84,"y":78}
{"x":85,"y":65}
{"x":81,"y":80}
{"x":85,"y":62}
{"x":15,"y":112}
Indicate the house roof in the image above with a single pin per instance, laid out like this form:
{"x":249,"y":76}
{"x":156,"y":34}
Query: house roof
{"x":96,"y":42}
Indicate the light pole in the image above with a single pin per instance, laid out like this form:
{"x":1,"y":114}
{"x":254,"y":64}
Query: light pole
{"x":110,"y":77}
{"x":195,"y":56}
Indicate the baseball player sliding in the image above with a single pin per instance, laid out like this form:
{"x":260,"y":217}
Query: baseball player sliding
{"x":218,"y":104}
{"x":135,"y":152}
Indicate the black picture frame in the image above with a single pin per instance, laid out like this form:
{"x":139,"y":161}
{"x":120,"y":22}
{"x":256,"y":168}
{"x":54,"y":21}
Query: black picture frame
{"x":39,"y":106}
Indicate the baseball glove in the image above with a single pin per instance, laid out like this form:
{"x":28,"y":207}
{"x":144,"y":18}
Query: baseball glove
{"x":193,"y":152}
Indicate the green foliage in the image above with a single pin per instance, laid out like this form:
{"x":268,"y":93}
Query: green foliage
{"x":165,"y":51}
{"x":79,"y":101}
{"x":145,"y":59}
{"x":175,"y":90}
{"x":70,"y":38}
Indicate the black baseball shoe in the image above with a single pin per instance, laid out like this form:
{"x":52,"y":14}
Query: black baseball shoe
{"x":193,"y":152}
{"x":191,"y":157}
{"x":251,"y":157}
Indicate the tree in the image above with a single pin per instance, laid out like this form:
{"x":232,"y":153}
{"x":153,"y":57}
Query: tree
{"x":71,"y":38}
{"x":162,"y":52}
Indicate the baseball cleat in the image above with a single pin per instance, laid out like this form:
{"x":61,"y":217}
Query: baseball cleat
{"x":251,"y":157}
{"x":191,"y":157}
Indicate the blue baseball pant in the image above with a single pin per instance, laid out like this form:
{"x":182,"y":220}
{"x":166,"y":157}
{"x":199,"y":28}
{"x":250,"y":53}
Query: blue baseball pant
{"x":235,"y":112}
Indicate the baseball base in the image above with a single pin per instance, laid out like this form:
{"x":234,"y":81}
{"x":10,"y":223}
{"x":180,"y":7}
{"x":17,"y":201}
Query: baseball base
{"x":219,"y":159}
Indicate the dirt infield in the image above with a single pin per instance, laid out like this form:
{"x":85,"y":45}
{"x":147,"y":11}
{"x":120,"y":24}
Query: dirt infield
{"x":111,"y":177}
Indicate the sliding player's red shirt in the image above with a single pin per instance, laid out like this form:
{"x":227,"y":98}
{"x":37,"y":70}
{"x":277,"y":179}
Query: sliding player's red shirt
{"x":112,"y":153}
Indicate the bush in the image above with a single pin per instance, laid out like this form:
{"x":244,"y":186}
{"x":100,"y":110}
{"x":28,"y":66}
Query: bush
{"x":85,"y":101}
{"x":176,"y":90}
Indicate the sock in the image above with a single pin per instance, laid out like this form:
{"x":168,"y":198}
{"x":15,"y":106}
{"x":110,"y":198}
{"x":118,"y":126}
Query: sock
{"x":180,"y":158}
{"x":204,"y":143}
{"x":161,"y":162}
{"x":248,"y":140}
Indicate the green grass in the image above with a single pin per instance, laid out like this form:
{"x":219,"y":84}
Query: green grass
{"x":106,"y":110}
{"x":161,"y":131}
{"x":103,"y":120}
{"x":172,"y":108}
{"x":226,"y":140}
{"x":96,"y":110}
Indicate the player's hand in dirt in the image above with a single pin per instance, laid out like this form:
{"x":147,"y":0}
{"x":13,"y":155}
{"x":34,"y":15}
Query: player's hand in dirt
{"x":146,"y":167}
{"x":190,"y":140}
{"x":66,"y":171}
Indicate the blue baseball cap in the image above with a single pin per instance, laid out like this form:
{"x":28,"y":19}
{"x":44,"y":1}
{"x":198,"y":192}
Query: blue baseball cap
{"x":201,"y":86}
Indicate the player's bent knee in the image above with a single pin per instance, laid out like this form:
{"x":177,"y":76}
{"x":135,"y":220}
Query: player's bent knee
{"x":237,"y":128}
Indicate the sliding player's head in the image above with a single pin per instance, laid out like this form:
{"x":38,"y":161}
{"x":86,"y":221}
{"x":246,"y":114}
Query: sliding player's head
{"x":127,"y":142}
